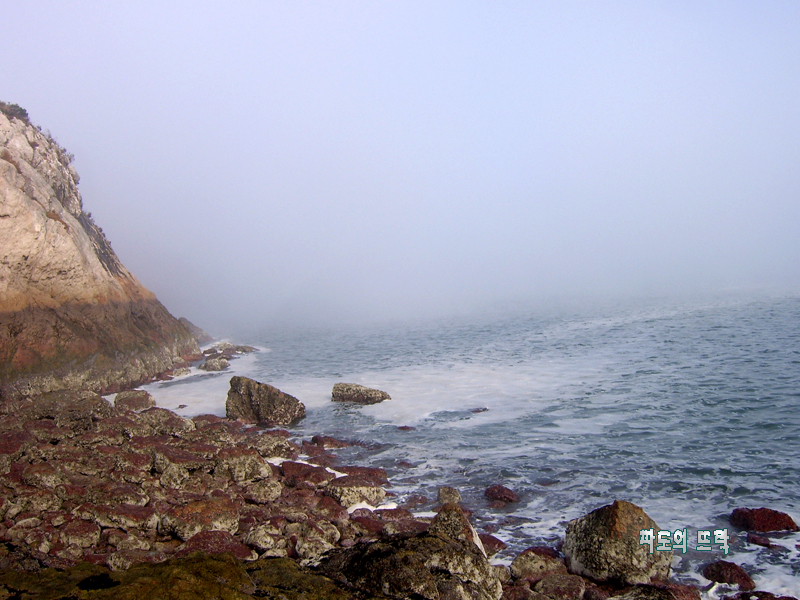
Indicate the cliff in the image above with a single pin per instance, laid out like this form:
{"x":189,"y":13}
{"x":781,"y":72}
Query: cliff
{"x":71,"y":315}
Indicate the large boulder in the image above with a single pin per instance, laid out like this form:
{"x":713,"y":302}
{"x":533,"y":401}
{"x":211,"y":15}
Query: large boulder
{"x":254,"y":402}
{"x":358,"y":394}
{"x":604,"y":546}
{"x":72,"y":317}
{"x":443,"y":563}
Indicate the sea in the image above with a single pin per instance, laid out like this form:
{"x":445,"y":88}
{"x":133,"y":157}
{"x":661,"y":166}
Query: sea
{"x":687,"y":408}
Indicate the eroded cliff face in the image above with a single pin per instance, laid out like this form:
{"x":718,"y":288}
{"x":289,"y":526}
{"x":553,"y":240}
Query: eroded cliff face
{"x":71,"y":315}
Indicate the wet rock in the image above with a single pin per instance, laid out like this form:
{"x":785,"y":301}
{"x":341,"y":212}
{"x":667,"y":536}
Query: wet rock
{"x":358,"y":394}
{"x":501,"y":493}
{"x":297,"y":473}
{"x":374,"y":475}
{"x":756,"y":595}
{"x":762,"y":520}
{"x":254,"y":402}
{"x":134,"y":400}
{"x":349,"y":491}
{"x":329,"y":442}
{"x":448,"y":495}
{"x":491,"y":544}
{"x":760,"y":540}
{"x":723,"y":571}
{"x":165,"y":422}
{"x":535,"y":563}
{"x":604,"y":546}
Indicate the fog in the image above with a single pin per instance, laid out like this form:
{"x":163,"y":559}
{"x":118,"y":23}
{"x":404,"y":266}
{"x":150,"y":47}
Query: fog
{"x":259,"y":163}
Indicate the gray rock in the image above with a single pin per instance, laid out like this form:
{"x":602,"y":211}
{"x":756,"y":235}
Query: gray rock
{"x":215,"y":364}
{"x":358,"y":394}
{"x":254,"y":402}
{"x":604,"y":546}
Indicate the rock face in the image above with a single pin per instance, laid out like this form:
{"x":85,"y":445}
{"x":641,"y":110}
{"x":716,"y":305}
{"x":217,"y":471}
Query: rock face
{"x":358,"y":394}
{"x":254,"y":402}
{"x":201,"y":336}
{"x":604,"y":546}
{"x":71,"y":315}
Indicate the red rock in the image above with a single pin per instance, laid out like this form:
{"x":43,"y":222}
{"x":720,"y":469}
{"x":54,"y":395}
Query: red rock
{"x":760,"y":540}
{"x":84,"y":534}
{"x":329,"y":442}
{"x":723,"y":571}
{"x":491,"y":544}
{"x":374,"y":475}
{"x":42,"y":475}
{"x":330,"y":509}
{"x":501,"y":493}
{"x":393,"y":514}
{"x":405,"y":526}
{"x":296,"y":472}
{"x":216,"y":542}
{"x":757,"y":596}
{"x":217,"y":512}
{"x":762,"y":520}
{"x":367,"y":526}
{"x":241,"y":464}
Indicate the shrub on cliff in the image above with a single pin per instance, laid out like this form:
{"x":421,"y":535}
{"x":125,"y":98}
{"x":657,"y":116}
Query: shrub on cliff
{"x":14,"y":111}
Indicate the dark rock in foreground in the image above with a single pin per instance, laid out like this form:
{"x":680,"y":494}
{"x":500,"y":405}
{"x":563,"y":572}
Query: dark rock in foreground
{"x":440,"y":564}
{"x":762,"y":520}
{"x":604,"y":546}
{"x":254,"y":402}
{"x":358,"y":394}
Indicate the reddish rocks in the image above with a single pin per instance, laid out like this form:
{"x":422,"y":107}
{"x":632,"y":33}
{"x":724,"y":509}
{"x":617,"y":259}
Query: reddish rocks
{"x":501,"y":493}
{"x":762,"y":520}
{"x":536,"y":562}
{"x":216,"y":542}
{"x":491,"y":544}
{"x":723,"y":571}
{"x":216,"y":512}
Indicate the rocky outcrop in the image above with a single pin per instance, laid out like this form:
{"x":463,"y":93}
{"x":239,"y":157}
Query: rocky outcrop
{"x":71,"y":315}
{"x":762,"y":520}
{"x":443,"y":563}
{"x":723,"y":571}
{"x":604,"y":546}
{"x":200,"y":335}
{"x":358,"y":394}
{"x":254,"y":402}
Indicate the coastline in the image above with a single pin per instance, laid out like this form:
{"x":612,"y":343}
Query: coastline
{"x":173,"y":481}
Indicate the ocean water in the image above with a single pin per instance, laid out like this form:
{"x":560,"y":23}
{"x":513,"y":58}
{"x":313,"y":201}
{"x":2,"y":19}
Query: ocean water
{"x":688,"y":409}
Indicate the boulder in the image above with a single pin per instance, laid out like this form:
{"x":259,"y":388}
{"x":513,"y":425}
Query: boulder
{"x":762,"y":520}
{"x":431,"y":565}
{"x":723,"y":571}
{"x":501,"y":493}
{"x":358,"y":394}
{"x":604,"y":546}
{"x":560,"y":586}
{"x":349,"y":491}
{"x":254,"y":402}
{"x":135,"y":400}
{"x":215,"y":364}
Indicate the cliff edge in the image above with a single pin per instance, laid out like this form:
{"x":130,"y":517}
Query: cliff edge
{"x":71,"y":315}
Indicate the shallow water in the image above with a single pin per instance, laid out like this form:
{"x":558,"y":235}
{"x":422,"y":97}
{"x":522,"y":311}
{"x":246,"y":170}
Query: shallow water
{"x":686,"y":409}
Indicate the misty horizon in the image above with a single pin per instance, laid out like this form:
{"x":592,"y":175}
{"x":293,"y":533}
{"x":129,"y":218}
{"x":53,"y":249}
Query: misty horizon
{"x":314,"y":164}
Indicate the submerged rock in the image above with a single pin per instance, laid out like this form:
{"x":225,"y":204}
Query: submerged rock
{"x":254,"y":402}
{"x":604,"y":546}
{"x":358,"y":394}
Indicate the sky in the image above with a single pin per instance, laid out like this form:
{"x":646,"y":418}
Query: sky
{"x":313,"y":162}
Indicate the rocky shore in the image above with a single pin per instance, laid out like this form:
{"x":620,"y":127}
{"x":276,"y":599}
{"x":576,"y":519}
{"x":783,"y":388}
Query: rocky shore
{"x":101,"y":500}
